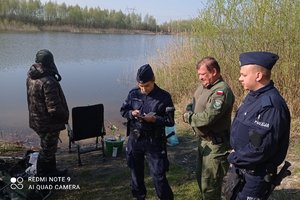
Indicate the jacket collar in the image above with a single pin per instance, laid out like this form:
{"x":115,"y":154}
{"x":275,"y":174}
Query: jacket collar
{"x":267,"y":87}
{"x":216,"y":82}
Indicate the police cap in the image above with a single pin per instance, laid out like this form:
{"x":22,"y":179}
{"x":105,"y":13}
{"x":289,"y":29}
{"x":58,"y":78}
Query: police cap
{"x":144,"y":74}
{"x":261,"y":58}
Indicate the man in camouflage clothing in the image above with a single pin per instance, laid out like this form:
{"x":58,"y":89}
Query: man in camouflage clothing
{"x":210,"y":117}
{"x":48,"y":110}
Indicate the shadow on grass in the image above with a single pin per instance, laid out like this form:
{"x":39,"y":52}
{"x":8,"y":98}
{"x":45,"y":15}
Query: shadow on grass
{"x":110,"y":179}
{"x":284,"y":194}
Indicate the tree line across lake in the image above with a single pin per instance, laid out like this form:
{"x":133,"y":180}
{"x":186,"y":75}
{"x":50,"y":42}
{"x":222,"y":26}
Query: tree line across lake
{"x":53,"y":14}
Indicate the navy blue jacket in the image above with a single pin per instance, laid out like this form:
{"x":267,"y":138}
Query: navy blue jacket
{"x":156,"y":101}
{"x":260,"y":130}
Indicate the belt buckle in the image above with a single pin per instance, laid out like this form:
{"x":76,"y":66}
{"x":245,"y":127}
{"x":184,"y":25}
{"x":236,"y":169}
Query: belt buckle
{"x":251,"y":172}
{"x":216,"y":140}
{"x":136,"y":133}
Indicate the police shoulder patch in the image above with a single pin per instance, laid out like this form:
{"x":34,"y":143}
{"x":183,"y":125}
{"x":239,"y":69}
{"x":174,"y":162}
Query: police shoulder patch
{"x":217,"y":104}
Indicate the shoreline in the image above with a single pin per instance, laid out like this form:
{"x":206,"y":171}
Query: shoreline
{"x":29,"y":28}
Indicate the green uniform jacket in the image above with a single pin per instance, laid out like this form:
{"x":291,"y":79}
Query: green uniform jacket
{"x":212,"y":109}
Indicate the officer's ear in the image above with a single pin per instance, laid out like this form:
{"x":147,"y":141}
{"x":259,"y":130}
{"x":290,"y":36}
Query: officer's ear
{"x":259,"y":76}
{"x":259,"y":72}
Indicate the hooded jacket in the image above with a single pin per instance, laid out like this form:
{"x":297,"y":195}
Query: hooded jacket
{"x":48,"y":109}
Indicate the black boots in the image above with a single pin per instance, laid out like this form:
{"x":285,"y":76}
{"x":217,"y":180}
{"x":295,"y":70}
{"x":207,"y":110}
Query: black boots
{"x":53,"y":171}
{"x":45,"y":170}
{"x":48,"y":169}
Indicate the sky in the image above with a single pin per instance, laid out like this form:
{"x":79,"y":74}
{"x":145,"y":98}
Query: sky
{"x":161,"y":10}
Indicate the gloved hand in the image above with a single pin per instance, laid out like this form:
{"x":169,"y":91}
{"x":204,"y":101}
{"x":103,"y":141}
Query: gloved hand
{"x":187,"y":116}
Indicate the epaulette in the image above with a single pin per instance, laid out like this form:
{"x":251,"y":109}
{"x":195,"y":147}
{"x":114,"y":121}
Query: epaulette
{"x":266,"y":101}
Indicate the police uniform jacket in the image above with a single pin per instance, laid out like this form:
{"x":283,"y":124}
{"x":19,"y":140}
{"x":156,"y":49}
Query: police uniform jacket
{"x":212,"y":107}
{"x":156,"y":101}
{"x":260,"y":130}
{"x":48,"y":110}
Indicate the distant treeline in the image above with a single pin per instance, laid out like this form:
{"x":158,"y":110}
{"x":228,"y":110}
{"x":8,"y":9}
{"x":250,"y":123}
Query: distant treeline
{"x":52,"y":14}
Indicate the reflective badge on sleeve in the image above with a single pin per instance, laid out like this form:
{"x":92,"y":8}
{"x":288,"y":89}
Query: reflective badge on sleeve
{"x":217,"y":104}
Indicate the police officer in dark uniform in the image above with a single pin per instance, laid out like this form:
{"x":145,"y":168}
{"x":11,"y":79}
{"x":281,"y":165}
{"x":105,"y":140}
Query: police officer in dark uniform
{"x":261,"y":128}
{"x":148,"y":110}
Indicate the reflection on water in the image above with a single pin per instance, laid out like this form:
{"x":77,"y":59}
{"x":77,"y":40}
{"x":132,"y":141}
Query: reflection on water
{"x":95,"y":69}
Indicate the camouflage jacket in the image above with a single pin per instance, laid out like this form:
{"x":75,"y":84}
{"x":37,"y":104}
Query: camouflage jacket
{"x":48,"y":110}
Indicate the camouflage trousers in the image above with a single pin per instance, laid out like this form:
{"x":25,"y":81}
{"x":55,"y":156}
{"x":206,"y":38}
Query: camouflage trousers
{"x":212,"y":166}
{"x":48,"y":144}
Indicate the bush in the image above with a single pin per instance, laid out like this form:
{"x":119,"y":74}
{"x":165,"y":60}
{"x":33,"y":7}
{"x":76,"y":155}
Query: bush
{"x":224,"y":29}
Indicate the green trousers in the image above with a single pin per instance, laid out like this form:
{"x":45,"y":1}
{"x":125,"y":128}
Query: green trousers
{"x":212,"y":166}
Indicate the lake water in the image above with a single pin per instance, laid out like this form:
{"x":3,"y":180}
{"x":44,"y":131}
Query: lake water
{"x":94,"y":68}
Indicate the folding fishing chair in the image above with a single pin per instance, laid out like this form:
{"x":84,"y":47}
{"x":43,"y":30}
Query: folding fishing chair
{"x":87,"y":122}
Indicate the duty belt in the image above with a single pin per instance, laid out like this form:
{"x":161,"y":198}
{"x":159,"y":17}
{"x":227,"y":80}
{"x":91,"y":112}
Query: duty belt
{"x":216,"y":139}
{"x":213,"y":139}
{"x":257,"y":172}
{"x":146,"y":134}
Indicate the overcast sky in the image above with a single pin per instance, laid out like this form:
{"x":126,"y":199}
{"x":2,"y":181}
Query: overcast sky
{"x":161,"y":10}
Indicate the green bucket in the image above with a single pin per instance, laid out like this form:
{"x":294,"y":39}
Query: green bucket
{"x":114,"y":145}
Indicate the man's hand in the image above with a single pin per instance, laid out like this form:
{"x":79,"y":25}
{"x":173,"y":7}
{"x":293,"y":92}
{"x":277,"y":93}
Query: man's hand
{"x":136,"y":113}
{"x":231,"y":151}
{"x":150,"y":118}
{"x":186,"y":117}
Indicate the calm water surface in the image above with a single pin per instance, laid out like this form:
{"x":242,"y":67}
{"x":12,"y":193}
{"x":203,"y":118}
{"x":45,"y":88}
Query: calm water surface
{"x":94,"y":69}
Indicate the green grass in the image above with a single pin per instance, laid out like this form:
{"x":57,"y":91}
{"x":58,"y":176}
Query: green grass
{"x":100,"y":180}
{"x":286,"y":194}
{"x":295,"y":147}
{"x":116,"y":185}
{"x":7,"y":147}
{"x":183,"y":185}
{"x":296,"y":170}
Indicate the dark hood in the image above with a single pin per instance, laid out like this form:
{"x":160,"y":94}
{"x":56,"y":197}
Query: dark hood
{"x":44,"y":65}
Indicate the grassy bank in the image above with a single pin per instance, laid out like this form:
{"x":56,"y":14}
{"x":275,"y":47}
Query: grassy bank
{"x":224,"y":30}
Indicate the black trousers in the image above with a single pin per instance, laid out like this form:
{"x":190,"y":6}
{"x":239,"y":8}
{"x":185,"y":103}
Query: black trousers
{"x":153,"y":150}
